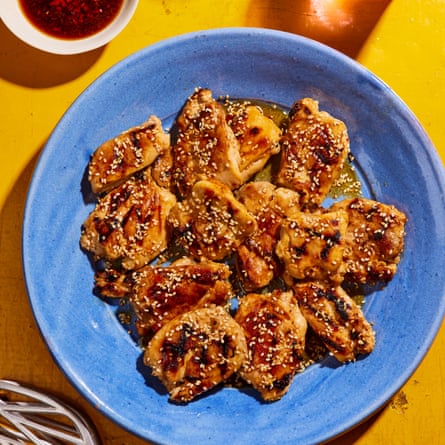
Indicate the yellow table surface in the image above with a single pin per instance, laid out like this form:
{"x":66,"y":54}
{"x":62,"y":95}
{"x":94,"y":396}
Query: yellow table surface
{"x":402,"y":41}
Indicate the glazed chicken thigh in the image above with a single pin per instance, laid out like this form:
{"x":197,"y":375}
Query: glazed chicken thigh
{"x":196,"y":351}
{"x":315,"y":146}
{"x":275,"y":331}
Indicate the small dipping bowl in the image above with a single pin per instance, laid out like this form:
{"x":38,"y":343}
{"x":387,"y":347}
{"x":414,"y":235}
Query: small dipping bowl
{"x":16,"y":20}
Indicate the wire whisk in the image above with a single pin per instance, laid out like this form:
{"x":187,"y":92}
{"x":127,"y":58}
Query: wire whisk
{"x":28,"y":417}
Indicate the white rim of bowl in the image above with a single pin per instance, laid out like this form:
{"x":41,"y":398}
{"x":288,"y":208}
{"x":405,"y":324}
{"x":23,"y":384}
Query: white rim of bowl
{"x":14,"y":19}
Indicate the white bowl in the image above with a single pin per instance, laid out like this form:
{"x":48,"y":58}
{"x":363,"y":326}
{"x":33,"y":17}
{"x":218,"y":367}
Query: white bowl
{"x":14,"y":18}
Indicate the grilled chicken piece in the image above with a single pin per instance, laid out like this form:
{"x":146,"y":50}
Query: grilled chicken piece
{"x":196,"y":351}
{"x":286,"y":202}
{"x":162,"y":293}
{"x":275,"y":332}
{"x":256,"y":196}
{"x":211,"y":222}
{"x":336,"y":319}
{"x":131,"y":151}
{"x":129,"y":224}
{"x":314,"y":148}
{"x":111,"y":283}
{"x":205,"y":146}
{"x":258,"y":136}
{"x":161,"y":169}
{"x":311,"y":245}
{"x":256,"y":261}
{"x":374,"y":240}
{"x":261,"y":197}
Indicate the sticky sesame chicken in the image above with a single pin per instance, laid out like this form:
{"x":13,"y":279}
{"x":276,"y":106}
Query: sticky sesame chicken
{"x":131,"y":151}
{"x":255,"y":257}
{"x":161,"y":169}
{"x":196,"y":351}
{"x":229,"y":263}
{"x":112,"y":283}
{"x":275,"y":332}
{"x":256,"y":260}
{"x":211,"y":222}
{"x":374,"y":240}
{"x":257,"y":134}
{"x":336,"y":319}
{"x":129,"y":225}
{"x":311,"y":245}
{"x":256,"y":196}
{"x":314,"y":148}
{"x":205,"y":146}
{"x":162,"y":293}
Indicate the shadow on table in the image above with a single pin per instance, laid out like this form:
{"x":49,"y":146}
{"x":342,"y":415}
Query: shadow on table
{"x":341,"y":24}
{"x":24,"y":65}
{"x":14,"y":305}
{"x":11,"y":210}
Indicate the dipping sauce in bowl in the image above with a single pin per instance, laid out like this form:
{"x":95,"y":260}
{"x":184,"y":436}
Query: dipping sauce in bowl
{"x":71,"y":19}
{"x":66,"y":26}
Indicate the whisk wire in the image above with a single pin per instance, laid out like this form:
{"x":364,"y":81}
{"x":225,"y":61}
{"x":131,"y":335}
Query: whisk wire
{"x":38,"y":419}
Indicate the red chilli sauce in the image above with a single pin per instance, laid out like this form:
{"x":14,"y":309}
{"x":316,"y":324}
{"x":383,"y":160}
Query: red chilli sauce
{"x":71,"y":19}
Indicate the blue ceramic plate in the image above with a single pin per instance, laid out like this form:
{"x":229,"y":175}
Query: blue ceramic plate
{"x":396,"y":162}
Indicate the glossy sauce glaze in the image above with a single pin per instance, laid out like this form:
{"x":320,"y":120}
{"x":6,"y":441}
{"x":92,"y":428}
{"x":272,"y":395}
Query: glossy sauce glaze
{"x":71,"y":19}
